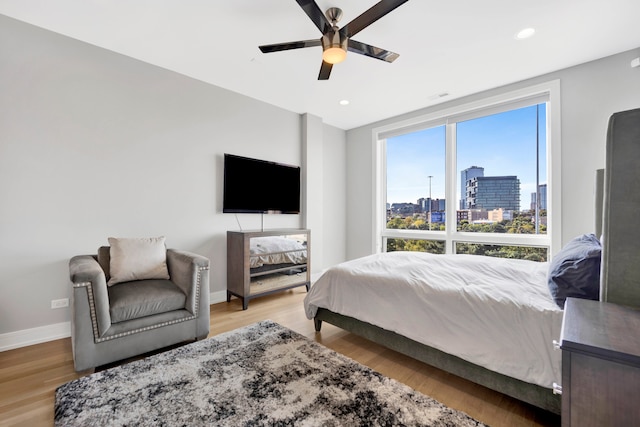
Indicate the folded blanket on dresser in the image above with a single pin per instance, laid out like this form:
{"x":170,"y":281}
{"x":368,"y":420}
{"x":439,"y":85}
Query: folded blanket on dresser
{"x":276,"y":250}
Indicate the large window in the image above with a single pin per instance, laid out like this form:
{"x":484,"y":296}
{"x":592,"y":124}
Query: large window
{"x":477,"y":179}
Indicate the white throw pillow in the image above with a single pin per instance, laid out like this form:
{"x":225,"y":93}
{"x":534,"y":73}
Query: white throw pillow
{"x":137,"y":259}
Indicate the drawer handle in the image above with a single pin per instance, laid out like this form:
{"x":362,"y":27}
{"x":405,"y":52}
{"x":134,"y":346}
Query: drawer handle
{"x":557,"y":388}
{"x":556,"y":345}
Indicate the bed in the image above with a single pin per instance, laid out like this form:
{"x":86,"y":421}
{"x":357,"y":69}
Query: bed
{"x":497,"y":325}
{"x":489,"y":320}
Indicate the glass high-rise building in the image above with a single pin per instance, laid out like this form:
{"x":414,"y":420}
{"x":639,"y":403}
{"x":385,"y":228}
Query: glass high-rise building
{"x":494,"y":192}
{"x":466,"y":175}
{"x":542,"y":189}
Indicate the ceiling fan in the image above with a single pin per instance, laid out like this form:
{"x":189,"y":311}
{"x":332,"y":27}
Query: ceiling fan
{"x":336,"y":41}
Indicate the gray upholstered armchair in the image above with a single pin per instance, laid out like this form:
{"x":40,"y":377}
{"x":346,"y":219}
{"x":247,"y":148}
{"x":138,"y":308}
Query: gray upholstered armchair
{"x":117,"y":319}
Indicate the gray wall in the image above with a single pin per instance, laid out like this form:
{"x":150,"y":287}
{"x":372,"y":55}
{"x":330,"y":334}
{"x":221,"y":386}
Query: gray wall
{"x":95,"y":144}
{"x":590,"y":93}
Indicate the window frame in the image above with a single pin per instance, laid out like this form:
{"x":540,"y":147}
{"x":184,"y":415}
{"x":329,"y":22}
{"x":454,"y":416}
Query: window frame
{"x":545,"y":92}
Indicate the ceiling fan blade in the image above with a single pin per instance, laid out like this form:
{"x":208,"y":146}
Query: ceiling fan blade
{"x":312,"y":9}
{"x":370,"y":16}
{"x":372,"y":51}
{"x":268,"y":48}
{"x":325,"y":71}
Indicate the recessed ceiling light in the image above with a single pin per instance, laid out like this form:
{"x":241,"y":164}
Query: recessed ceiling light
{"x":344,"y":102}
{"x":526,"y":33}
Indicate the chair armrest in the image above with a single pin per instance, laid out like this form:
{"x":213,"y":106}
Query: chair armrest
{"x":190,"y":272}
{"x":90,"y":285}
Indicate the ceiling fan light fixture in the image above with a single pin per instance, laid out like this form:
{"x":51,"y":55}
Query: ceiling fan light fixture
{"x":334,"y":55}
{"x":334,"y":47}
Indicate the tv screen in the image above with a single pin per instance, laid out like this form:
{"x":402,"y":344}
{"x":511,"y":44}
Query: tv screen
{"x":260,"y":186}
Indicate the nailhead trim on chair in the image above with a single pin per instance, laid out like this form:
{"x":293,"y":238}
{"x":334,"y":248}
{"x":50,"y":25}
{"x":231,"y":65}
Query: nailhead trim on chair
{"x":92,"y":307}
{"x":92,"y":310}
{"x":195,"y":310}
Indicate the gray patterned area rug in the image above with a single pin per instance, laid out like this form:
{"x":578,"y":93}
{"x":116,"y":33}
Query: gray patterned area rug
{"x":260,"y":375}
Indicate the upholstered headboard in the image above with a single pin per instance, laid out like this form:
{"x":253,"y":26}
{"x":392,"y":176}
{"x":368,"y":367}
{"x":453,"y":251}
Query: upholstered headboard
{"x":620,"y":274}
{"x":599,"y":194}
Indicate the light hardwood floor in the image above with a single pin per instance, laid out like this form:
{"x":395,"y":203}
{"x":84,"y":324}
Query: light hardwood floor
{"x":30,"y":375}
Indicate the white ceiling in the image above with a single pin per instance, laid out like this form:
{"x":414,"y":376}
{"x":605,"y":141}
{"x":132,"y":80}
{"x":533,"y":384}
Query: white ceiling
{"x":458,"y":47}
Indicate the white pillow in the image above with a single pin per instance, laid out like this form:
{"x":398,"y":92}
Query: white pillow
{"x":137,"y":259}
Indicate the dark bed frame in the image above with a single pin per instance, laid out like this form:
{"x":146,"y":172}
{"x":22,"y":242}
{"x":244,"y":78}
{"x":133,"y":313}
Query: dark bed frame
{"x":531,"y":393}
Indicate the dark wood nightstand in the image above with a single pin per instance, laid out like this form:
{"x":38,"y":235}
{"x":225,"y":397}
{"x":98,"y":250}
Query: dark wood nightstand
{"x":600,"y":345}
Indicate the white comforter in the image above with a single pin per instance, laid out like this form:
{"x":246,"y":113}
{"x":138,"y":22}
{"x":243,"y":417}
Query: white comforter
{"x":493,"y":312}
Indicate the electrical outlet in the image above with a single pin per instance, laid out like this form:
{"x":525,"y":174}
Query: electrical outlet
{"x":60,"y":303}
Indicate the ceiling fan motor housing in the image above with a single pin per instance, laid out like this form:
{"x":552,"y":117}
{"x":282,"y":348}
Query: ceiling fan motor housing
{"x":333,"y":38}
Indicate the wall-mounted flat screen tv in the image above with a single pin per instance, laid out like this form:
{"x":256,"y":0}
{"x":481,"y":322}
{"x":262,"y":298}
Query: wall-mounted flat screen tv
{"x":260,"y":186}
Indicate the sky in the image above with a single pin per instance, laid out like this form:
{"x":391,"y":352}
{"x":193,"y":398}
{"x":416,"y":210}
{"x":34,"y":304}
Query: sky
{"x":503,"y":144}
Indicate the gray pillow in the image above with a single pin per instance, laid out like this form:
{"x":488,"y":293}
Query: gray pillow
{"x":575,"y":270}
{"x":137,"y":259}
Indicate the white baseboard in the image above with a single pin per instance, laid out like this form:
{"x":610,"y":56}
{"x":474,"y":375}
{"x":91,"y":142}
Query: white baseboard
{"x":216,"y":297}
{"x":33,"y":336}
{"x":27,"y":337}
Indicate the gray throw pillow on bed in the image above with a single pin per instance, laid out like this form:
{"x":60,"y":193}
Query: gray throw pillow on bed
{"x":575,"y":270}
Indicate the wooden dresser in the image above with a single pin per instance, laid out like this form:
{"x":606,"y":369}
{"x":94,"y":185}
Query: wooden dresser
{"x":600,"y":345}
{"x":247,"y":283}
